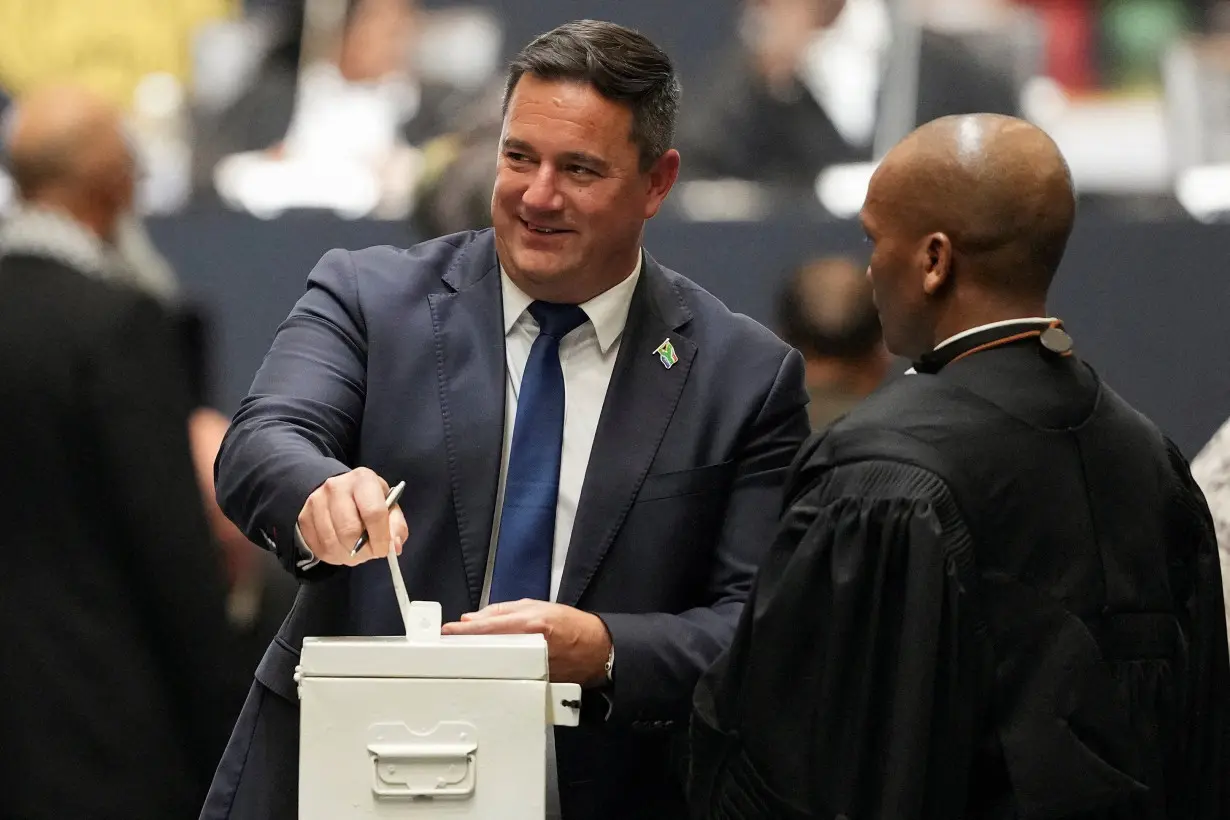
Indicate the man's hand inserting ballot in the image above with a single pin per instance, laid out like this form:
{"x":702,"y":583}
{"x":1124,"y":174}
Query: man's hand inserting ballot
{"x":578,"y":643}
{"x":338,"y":511}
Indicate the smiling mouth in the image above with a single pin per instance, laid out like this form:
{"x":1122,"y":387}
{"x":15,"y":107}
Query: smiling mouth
{"x":542,"y":230}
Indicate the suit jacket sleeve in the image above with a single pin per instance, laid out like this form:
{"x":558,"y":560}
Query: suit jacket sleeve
{"x":139,"y":406}
{"x":659,"y":656}
{"x":300,"y":420}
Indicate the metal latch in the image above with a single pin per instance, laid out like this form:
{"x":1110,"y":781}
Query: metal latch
{"x":440,"y":762}
{"x":563,"y":704}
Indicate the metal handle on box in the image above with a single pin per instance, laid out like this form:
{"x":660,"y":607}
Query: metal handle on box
{"x":411,"y":765}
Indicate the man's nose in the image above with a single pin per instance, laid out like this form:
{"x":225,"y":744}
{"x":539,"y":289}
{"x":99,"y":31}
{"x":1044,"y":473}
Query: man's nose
{"x":544,"y":193}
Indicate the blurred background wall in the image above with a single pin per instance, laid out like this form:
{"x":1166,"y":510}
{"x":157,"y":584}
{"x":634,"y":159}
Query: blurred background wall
{"x":272,"y":130}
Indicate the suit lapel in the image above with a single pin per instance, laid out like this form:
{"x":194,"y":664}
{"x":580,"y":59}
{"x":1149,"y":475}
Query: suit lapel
{"x":468,"y":327}
{"x":639,"y":404}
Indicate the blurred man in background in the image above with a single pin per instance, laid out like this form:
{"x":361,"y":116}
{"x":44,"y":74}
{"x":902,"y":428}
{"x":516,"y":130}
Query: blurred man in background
{"x":117,"y":692}
{"x":826,"y":312}
{"x":804,"y":90}
{"x":335,"y":119}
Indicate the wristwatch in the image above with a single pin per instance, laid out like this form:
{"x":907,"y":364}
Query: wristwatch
{"x":610,"y":665}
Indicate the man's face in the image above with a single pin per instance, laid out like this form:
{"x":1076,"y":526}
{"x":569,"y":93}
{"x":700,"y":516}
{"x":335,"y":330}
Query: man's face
{"x":570,"y":200}
{"x":896,"y":275}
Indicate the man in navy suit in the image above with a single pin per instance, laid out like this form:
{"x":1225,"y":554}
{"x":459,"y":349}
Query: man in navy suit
{"x":593,"y":446}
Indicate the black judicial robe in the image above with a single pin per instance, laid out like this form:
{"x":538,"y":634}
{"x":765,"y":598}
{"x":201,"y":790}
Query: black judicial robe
{"x":994,"y":594}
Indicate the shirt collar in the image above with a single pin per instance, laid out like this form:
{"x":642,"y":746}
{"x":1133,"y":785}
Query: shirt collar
{"x":607,"y":312}
{"x":989,"y":326}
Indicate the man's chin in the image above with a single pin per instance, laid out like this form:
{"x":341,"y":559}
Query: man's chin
{"x":539,"y":265}
{"x":547,"y":280}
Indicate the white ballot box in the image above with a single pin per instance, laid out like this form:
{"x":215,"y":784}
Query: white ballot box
{"x":427,"y":726}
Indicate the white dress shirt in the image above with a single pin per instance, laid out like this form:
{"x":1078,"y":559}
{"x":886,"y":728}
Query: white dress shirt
{"x":587,"y":357}
{"x":843,"y":67}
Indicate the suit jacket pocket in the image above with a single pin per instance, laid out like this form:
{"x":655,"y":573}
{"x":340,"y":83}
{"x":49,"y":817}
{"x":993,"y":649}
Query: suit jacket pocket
{"x":276,"y":670}
{"x":707,"y":479}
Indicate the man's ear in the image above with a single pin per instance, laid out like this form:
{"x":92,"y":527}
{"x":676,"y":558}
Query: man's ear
{"x":937,"y":262}
{"x":662,"y":178}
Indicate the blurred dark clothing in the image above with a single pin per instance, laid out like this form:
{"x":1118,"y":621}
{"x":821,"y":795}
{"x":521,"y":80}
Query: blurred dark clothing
{"x":454,"y":192}
{"x":259,"y":599}
{"x":117,"y":696}
{"x":273,"y":592}
{"x":740,"y":129}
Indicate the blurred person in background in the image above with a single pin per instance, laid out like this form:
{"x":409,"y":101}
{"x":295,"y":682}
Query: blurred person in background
{"x":453,"y":191}
{"x":258,"y":594}
{"x":826,"y":312}
{"x":135,"y":54}
{"x":803,"y":91}
{"x":1211,"y":470}
{"x":341,"y":128}
{"x":118,"y":687}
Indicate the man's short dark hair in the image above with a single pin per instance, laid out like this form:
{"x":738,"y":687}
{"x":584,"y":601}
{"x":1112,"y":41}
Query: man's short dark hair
{"x":825,"y":309}
{"x":621,"y":64}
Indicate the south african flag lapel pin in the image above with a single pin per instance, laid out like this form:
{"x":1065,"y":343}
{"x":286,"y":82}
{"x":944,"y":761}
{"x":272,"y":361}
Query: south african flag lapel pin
{"x":666,"y":354}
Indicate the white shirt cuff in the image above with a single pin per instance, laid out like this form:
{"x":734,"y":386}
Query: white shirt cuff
{"x":307,"y":558}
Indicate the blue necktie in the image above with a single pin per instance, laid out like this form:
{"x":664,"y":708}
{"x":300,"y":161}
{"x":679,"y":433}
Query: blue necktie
{"x":531,"y":488}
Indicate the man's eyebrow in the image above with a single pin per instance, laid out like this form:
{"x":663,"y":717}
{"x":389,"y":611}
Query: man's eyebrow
{"x":518,"y":145}
{"x":595,"y":162}
{"x":581,"y":157}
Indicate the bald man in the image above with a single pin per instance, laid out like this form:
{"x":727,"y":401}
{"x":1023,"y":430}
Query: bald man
{"x":994,"y":592}
{"x":116,"y":696}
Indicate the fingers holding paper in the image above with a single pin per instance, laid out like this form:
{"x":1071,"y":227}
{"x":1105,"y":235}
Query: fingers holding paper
{"x":341,"y":509}
{"x":578,"y":643}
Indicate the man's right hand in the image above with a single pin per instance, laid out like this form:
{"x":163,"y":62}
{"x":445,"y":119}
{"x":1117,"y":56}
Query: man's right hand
{"x":338,"y":511}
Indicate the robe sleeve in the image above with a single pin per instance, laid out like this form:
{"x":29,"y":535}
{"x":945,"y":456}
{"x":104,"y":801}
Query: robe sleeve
{"x":853,"y":685}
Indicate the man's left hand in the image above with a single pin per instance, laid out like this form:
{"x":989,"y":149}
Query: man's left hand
{"x":578,"y":643}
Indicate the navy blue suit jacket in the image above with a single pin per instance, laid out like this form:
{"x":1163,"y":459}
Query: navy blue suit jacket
{"x":394,"y":359}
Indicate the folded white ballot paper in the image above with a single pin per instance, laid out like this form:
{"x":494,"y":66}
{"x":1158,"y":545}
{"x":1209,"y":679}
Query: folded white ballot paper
{"x":424,"y":725}
{"x":415,"y":625}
